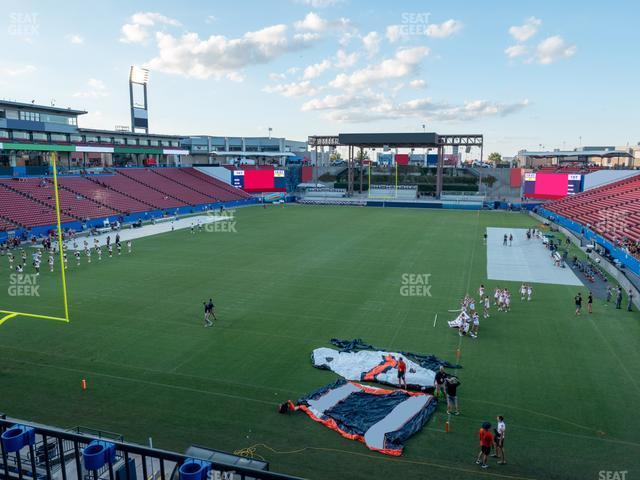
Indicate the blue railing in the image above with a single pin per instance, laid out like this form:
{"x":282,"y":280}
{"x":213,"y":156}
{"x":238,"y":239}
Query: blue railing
{"x":32,"y":451}
{"x":625,"y":258}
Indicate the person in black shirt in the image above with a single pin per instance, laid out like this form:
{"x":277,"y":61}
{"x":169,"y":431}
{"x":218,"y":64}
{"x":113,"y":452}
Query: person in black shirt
{"x":590,"y":302}
{"x":441,"y":376}
{"x":578,"y":301}
{"x":212,"y":309}
{"x":207,"y":314}
{"x":451,"y":386}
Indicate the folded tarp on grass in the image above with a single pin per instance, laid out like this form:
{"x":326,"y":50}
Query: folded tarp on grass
{"x":430,"y":362}
{"x":373,"y":366}
{"x":382,"y":419}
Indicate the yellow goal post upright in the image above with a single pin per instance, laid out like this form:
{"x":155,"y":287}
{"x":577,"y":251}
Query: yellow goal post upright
{"x":392,"y":188}
{"x":9,"y":314}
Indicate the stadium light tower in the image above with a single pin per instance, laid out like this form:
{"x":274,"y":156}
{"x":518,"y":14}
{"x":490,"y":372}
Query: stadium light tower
{"x":139,"y":111}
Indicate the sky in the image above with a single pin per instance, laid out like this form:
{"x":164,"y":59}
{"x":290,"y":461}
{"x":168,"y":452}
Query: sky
{"x":526,"y":74}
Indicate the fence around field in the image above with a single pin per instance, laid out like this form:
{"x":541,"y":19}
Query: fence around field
{"x":58,"y":454}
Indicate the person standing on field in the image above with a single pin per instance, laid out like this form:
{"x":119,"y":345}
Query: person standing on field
{"x":499,"y":440}
{"x":451,"y":386}
{"x":402,"y":372}
{"x":578,"y":301}
{"x":486,"y":440}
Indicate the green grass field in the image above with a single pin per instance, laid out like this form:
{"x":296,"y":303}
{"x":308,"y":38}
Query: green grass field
{"x":288,"y":281}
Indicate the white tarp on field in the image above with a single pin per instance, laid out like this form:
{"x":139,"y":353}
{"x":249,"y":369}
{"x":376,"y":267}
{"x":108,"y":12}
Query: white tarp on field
{"x":373,"y":366}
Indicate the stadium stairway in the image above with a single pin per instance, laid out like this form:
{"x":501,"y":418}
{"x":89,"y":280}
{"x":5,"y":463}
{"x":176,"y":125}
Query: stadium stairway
{"x":226,"y":191}
{"x":24,"y":211}
{"x":164,"y":185}
{"x":76,"y":206}
{"x":187,"y":181}
{"x":137,"y":191}
{"x":612,"y":210}
{"x":102,"y":194}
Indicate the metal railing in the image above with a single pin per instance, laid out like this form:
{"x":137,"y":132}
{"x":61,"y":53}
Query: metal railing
{"x":57,"y":454}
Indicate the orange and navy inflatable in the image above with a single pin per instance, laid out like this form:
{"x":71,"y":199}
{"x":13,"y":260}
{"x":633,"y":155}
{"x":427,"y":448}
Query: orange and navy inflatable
{"x":381,"y":419}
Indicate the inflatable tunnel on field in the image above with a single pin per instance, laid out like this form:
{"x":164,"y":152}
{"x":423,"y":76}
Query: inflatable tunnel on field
{"x":360,"y":361}
{"x":382,"y":419}
{"x":373,"y":366}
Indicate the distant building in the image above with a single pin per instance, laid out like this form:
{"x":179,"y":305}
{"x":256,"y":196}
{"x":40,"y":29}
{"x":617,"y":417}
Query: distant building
{"x":605,"y":156}
{"x":206,"y":149}
{"x":29,"y":133}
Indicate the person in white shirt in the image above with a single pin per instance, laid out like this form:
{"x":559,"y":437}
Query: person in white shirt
{"x":529,"y":292}
{"x":487,"y":306}
{"x":476,"y":325}
{"x":499,"y":440}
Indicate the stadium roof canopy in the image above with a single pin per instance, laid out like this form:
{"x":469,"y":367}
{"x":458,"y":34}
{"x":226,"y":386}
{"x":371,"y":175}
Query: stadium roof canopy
{"x":396,"y":140}
{"x":379,"y":140}
{"x":31,"y":106}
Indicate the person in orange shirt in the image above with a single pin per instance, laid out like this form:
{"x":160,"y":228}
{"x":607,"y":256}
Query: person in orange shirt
{"x":402,"y":371}
{"x":486,"y":440}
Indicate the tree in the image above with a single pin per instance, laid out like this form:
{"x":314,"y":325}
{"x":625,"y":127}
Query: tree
{"x":335,"y":155}
{"x":362,"y":155}
{"x":495,"y":157}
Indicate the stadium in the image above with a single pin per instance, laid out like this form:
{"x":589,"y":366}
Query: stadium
{"x":351,"y":303}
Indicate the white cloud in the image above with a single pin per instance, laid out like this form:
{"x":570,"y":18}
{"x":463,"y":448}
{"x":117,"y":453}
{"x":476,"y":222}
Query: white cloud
{"x":133,"y":33}
{"x":394,"y":33}
{"x":516,"y":51}
{"x":277,"y":76}
{"x":315,"y":70}
{"x":445,"y":29}
{"x":367,"y":106}
{"x":313,"y":22}
{"x":235,"y":77}
{"x":210,"y":19}
{"x":333,"y":102}
{"x":294,"y":89}
{"x":371,"y":43}
{"x":524,"y":32}
{"x":149,"y":19}
{"x":467,"y":111}
{"x":216,"y":56}
{"x":405,"y":62}
{"x":95,"y":88}
{"x":418,"y":83}
{"x":17,"y":70}
{"x":345,"y":60}
{"x":75,"y":39}
{"x":137,"y":30}
{"x":552,"y":49}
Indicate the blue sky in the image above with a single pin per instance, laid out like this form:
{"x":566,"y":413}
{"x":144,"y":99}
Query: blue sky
{"x":523,"y":73}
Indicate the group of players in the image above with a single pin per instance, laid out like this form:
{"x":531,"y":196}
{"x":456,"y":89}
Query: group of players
{"x":468,"y":322}
{"x":51,"y":248}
